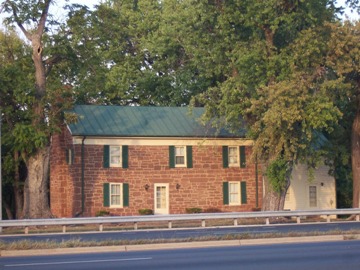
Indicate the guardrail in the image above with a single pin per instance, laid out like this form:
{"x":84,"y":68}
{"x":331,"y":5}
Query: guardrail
{"x":203,"y":217}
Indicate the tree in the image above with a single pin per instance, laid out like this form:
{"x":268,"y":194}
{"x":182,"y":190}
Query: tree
{"x":32,"y":134}
{"x":15,"y":92}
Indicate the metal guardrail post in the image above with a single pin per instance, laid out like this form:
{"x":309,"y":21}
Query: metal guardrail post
{"x":267,"y":221}
{"x":169,"y":224}
{"x":357,"y":217}
{"x":203,"y":223}
{"x":235,"y":222}
{"x":101,"y":227}
{"x":298,"y":220}
{"x":64,"y":228}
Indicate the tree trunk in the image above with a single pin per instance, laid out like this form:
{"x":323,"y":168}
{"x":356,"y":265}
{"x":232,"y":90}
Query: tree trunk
{"x":355,"y":158}
{"x":36,"y":200}
{"x":272,"y":200}
{"x":18,"y":192}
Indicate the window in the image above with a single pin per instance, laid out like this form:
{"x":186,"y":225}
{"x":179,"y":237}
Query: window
{"x":234,"y":193}
{"x":116,"y":156}
{"x":116,"y":195}
{"x":312,"y":196}
{"x":180,"y":156}
{"x":233,"y":156}
{"x":69,"y":157}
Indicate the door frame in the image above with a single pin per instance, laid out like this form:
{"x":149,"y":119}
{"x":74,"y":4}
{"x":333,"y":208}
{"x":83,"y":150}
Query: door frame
{"x":164,"y":211}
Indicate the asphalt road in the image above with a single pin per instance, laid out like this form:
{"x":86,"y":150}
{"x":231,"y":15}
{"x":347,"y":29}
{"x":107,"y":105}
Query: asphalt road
{"x":320,"y":256}
{"x":187,"y":233}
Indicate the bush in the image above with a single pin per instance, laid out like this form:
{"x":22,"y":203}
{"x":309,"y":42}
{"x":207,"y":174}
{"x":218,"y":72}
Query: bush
{"x":193,"y":210}
{"x":102,"y":213}
{"x":146,"y":211}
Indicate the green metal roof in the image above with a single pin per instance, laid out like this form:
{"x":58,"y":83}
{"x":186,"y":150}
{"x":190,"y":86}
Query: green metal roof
{"x":131,"y":121}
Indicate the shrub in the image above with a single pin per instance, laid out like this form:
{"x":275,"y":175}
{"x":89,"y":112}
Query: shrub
{"x":102,"y":213}
{"x":193,"y":210}
{"x":146,"y":211}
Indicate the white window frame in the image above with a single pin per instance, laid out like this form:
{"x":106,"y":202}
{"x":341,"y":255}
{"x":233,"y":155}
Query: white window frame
{"x":238,"y":193}
{"x":185,"y":161}
{"x":112,"y":195}
{"x":311,"y":199}
{"x":70,"y":156}
{"x":237,"y":154}
{"x":118,"y":164}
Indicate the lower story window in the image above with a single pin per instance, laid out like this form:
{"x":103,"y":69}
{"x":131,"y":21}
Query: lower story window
{"x":312,"y":196}
{"x":116,"y":195}
{"x":234,"y":193}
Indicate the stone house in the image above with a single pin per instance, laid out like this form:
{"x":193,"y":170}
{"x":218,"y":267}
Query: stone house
{"x":123,"y":159}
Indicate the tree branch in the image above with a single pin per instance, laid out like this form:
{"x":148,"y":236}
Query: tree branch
{"x":18,"y":22}
{"x":43,"y":17}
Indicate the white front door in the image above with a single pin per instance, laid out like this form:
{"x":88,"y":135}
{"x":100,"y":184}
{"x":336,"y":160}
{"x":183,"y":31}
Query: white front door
{"x":161,"y":197}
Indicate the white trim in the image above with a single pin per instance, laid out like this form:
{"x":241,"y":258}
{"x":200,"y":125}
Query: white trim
{"x":115,"y":165}
{"x":237,"y":164}
{"x":238,"y":183}
{"x":185,"y":155}
{"x":121,"y":196}
{"x":147,"y":141}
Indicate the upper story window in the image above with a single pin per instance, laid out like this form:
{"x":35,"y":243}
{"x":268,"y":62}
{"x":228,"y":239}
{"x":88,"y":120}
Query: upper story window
{"x":115,"y":156}
{"x":180,"y":156}
{"x":233,"y":156}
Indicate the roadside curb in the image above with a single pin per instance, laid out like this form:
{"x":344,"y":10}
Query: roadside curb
{"x":201,"y":244}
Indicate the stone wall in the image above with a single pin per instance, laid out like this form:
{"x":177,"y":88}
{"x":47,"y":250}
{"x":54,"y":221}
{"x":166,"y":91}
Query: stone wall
{"x":200,"y":186}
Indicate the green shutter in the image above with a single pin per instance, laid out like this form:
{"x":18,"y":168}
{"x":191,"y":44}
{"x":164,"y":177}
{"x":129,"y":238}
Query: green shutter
{"x":106,"y":194}
{"x":189,"y":159}
{"x":242,"y":157}
{"x":125,"y":194}
{"x":106,"y":160}
{"x":243,"y":193}
{"x":226,"y":193}
{"x":225,"y":154}
{"x":172,"y":156}
{"x":125,"y":156}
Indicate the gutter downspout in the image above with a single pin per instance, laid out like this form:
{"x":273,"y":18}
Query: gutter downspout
{"x":256,"y":183}
{"x":83,"y":175}
{"x":82,"y":178}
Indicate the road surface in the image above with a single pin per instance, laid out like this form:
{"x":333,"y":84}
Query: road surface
{"x":320,"y":256}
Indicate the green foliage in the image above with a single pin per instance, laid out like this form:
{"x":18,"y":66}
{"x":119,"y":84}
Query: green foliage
{"x":193,"y":210}
{"x":102,"y":213}
{"x":278,"y":175}
{"x":146,"y":211}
